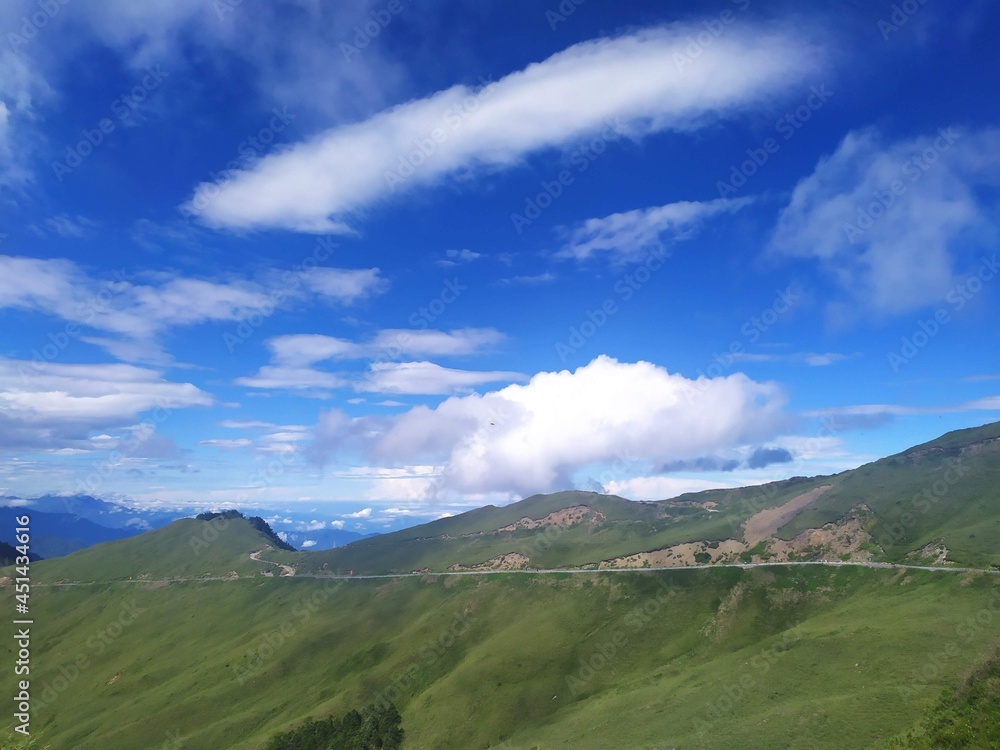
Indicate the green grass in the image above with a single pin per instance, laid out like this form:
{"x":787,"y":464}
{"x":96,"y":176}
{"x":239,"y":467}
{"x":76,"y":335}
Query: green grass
{"x":964,"y":718}
{"x":808,"y":658}
{"x":185,"y":548}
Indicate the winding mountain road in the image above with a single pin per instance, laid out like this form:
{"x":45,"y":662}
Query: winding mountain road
{"x":551,"y":571}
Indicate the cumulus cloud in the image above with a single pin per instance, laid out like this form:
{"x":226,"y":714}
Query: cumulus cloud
{"x":890,"y":221}
{"x":533,"y":437}
{"x":632,"y":81}
{"x":627,"y":236}
{"x":136,"y":313}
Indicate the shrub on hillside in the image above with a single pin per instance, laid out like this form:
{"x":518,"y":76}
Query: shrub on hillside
{"x":375,"y":728}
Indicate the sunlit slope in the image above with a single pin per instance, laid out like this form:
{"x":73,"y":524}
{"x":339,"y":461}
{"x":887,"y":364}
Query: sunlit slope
{"x":185,"y":548}
{"x":612,"y":527}
{"x":946,"y":491}
{"x":818,"y":658}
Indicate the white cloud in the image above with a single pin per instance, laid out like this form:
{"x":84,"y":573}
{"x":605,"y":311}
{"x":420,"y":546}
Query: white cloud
{"x":661,"y":488}
{"x":346,"y":286}
{"x":633,"y":81}
{"x":539,"y":278}
{"x":627,"y":236}
{"x":891,"y":221}
{"x":336,"y":524}
{"x":391,"y":343}
{"x":427,"y":378}
{"x":228,"y":444}
{"x":531,"y":438}
{"x":364,"y":513}
{"x":292,"y":378}
{"x":293,"y":358}
{"x":235,"y":424}
{"x":59,"y":405}
{"x":457,"y":257}
{"x":309,"y":543}
{"x":21,"y":88}
{"x":136,"y":313}
{"x":988,"y":403}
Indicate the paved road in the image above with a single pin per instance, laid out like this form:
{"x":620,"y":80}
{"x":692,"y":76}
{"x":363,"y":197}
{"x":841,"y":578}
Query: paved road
{"x":550,"y":571}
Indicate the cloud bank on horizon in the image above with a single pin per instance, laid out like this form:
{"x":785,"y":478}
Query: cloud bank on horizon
{"x":315,"y":254}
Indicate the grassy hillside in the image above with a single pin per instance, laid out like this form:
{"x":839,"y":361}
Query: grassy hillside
{"x":186,"y":548}
{"x":818,"y":658}
{"x":946,"y":491}
{"x":942,"y":493}
{"x":964,"y":718}
{"x":623,"y":527}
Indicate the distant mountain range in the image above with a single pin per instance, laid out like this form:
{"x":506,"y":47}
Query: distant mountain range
{"x":62,"y":524}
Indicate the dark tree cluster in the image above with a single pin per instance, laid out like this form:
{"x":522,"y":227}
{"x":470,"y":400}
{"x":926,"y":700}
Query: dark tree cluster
{"x":256,"y":521}
{"x":229,"y":515}
{"x":375,"y":728}
{"x":262,"y":526}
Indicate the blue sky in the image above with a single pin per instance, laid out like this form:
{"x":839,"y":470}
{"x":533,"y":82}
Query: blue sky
{"x":394,"y":260}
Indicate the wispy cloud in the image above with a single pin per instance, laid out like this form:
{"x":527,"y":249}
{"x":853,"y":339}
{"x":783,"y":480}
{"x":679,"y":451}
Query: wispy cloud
{"x":317,"y":185}
{"x":626,"y":236}
{"x":129,"y":315}
{"x":891,"y":222}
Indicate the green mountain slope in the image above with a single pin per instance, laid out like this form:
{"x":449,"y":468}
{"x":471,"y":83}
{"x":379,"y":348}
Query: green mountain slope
{"x":945,"y":493}
{"x":819,"y":657}
{"x":188,"y":548}
{"x":935,"y":503}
